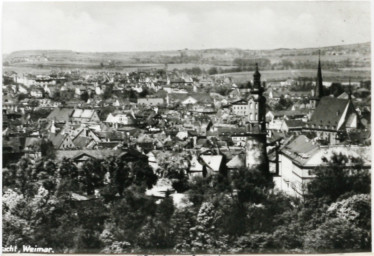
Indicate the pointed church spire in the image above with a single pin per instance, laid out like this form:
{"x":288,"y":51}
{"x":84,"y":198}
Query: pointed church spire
{"x":319,"y":84}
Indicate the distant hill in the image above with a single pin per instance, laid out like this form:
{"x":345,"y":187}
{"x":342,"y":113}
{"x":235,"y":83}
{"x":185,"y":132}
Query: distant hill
{"x":281,"y":75}
{"x":334,"y":57}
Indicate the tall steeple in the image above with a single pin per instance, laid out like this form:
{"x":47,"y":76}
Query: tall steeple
{"x":319,"y":84}
{"x":257,"y":79}
{"x":258,"y":107}
{"x":256,"y":153}
{"x":317,"y":94}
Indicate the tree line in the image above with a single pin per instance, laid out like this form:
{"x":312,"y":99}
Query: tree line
{"x":234,"y":212}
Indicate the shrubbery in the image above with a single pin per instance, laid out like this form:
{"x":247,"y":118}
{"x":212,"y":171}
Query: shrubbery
{"x":235,"y":213}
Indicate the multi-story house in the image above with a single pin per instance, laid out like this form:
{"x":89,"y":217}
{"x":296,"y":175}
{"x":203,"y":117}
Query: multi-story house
{"x":300,"y":156}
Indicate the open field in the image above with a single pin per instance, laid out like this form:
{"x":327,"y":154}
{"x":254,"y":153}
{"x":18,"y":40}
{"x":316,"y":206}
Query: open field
{"x":358,"y":54}
{"x":277,"y":75}
{"x":46,"y":67}
{"x":352,"y":61}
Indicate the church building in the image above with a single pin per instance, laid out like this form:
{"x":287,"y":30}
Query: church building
{"x":332,"y":117}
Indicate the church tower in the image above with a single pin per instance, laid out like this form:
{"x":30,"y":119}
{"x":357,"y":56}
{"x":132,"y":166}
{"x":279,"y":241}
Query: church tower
{"x":259,"y":100}
{"x":318,"y":90}
{"x":256,"y":153}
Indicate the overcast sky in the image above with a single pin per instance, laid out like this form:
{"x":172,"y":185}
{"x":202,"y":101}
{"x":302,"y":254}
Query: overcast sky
{"x":149,"y":26}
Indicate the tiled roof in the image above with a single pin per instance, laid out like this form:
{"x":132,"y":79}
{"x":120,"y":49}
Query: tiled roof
{"x":275,"y":136}
{"x":301,"y":145}
{"x":305,"y":153}
{"x":294,"y":123}
{"x":300,"y":149}
{"x":12,"y":142}
{"x":83,"y":113}
{"x":81,"y":142}
{"x":328,"y":112}
{"x":290,"y":113}
{"x":56,"y":139}
{"x":200,"y":97}
{"x":98,"y":154}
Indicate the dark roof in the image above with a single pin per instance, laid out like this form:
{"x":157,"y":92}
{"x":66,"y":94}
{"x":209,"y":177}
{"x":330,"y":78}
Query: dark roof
{"x":301,"y":145}
{"x":12,"y":142}
{"x":108,"y":145}
{"x":328,"y":112}
{"x":81,"y":142}
{"x":56,"y":139}
{"x":275,"y":136}
{"x":132,"y":155}
{"x":111,"y":135}
{"x":178,"y":96}
{"x":240,"y":102}
{"x":200,"y":97}
{"x":192,"y":133}
{"x":300,"y":149}
{"x":290,"y":113}
{"x":294,"y":123}
{"x":203,"y":142}
{"x":74,"y":154}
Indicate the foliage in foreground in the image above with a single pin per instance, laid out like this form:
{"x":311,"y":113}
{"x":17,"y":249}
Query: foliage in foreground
{"x":235,"y":213}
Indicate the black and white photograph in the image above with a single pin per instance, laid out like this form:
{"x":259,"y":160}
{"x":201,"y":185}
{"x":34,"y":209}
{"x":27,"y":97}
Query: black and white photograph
{"x":186,"y":127}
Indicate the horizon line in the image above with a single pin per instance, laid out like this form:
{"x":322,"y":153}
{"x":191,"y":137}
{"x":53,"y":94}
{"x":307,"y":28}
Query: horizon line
{"x":192,"y":49}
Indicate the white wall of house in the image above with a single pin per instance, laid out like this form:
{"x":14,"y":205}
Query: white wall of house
{"x":275,"y":125}
{"x":240,"y":109}
{"x":118,"y":119}
{"x":25,"y":81}
{"x":293,"y":179}
{"x":239,"y":140}
{"x":36,"y":94}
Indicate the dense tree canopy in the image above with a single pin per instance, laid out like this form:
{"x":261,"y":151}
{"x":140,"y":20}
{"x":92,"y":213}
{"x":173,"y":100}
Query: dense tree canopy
{"x":100,"y":206}
{"x":283,"y":104}
{"x":337,"y":178}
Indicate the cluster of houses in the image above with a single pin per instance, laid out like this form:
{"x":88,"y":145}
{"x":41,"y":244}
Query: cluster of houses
{"x":206,"y":132}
